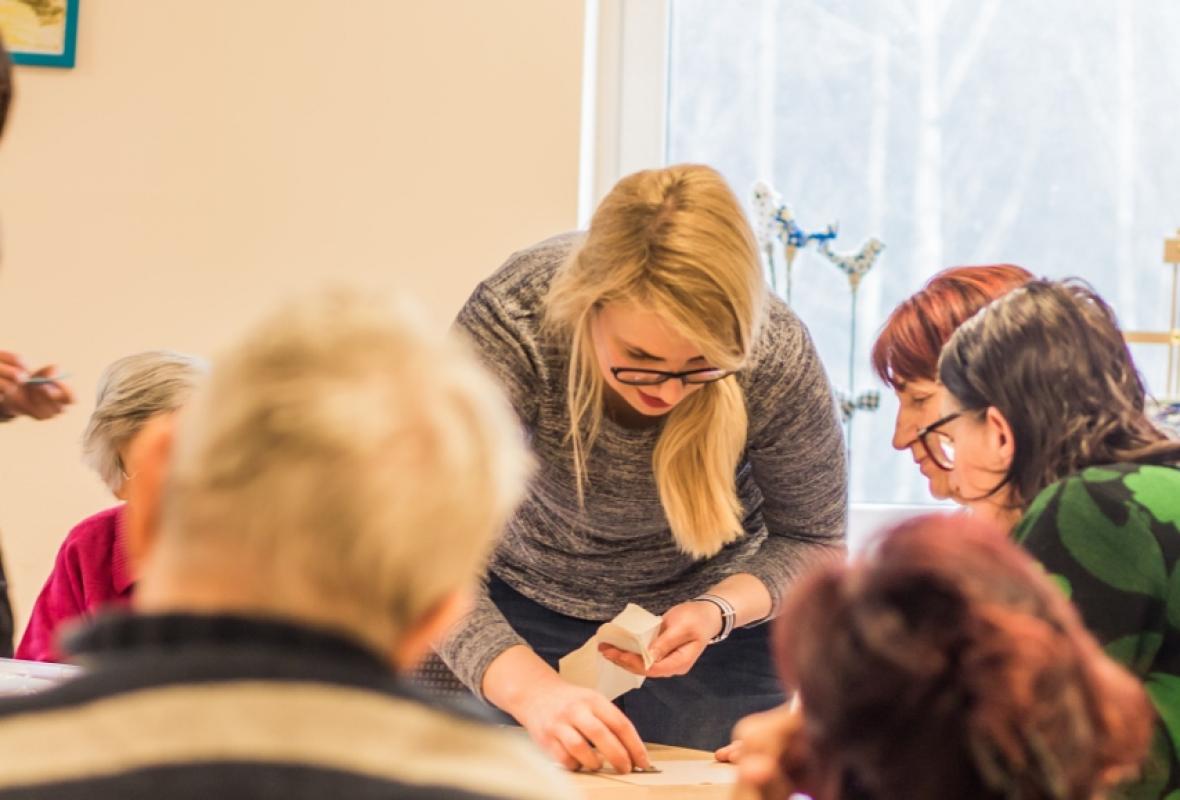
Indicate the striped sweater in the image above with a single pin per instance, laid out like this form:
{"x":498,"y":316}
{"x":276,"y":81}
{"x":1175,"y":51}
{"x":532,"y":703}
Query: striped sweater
{"x":194,"y":707}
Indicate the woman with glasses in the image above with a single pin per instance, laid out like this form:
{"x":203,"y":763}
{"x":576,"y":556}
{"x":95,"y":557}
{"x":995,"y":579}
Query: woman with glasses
{"x":690,"y":461}
{"x":1043,"y":429}
{"x":905,"y":355}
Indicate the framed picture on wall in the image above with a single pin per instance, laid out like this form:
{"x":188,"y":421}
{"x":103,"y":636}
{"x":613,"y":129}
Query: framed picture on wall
{"x":40,"y":33}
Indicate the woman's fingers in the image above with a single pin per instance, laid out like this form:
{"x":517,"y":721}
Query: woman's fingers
{"x":672,"y":639}
{"x":764,"y":739}
{"x":678,"y":662}
{"x":624,"y":732}
{"x":603,"y":739}
{"x":730,"y":753}
{"x":603,"y":726}
{"x":19,"y":395}
{"x":632,"y":662}
{"x":12,"y":360}
{"x":575,"y":744}
{"x":580,"y":728}
{"x":558,"y":753}
{"x":673,"y":653}
{"x":762,"y":774}
{"x":11,"y":378}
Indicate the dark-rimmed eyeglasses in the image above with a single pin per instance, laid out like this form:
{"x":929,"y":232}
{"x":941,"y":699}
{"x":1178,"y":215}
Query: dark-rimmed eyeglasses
{"x":938,"y":444}
{"x":654,"y":377}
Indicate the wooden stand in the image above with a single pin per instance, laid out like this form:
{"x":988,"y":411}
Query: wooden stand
{"x":1170,"y":337}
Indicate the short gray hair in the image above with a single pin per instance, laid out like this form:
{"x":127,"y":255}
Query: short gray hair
{"x":131,"y":391}
{"x":365,"y":459}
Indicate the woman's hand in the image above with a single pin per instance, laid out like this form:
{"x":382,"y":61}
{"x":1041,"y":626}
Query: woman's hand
{"x":582,"y":729}
{"x":768,"y":749}
{"x":20,"y":397}
{"x":578,"y":727}
{"x":730,"y":753}
{"x":684,"y":635}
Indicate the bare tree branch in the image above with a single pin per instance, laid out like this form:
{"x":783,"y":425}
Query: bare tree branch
{"x":966,"y":55}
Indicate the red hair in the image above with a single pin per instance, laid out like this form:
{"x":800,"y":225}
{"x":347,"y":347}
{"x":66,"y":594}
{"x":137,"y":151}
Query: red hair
{"x":909,"y":343}
{"x":946,"y":664}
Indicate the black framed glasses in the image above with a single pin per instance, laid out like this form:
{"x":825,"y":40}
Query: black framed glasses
{"x":654,"y":377}
{"x":938,"y":444}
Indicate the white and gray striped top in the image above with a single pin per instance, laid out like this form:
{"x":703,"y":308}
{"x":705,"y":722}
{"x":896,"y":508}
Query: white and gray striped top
{"x":588,"y":562}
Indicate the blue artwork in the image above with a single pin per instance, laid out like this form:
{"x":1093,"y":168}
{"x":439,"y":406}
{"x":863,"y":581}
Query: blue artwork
{"x":774,"y":225}
{"x":40,"y":33}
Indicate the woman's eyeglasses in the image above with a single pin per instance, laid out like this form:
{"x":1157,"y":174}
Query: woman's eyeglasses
{"x":654,"y":377}
{"x":937,"y":444}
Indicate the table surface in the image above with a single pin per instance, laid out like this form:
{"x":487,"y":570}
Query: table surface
{"x":608,"y":786}
{"x":25,"y":677}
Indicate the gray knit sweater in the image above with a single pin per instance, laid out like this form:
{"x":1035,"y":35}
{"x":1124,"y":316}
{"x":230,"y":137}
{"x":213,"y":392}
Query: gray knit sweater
{"x":589,"y":562}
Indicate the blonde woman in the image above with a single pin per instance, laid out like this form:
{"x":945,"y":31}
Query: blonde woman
{"x":690,"y":462}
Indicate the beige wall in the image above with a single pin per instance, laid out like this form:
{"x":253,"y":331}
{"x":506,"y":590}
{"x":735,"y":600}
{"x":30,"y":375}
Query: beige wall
{"x":205,"y":158}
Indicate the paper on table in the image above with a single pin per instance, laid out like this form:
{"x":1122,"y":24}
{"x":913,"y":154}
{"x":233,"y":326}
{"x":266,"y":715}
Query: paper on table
{"x":680,"y":773}
{"x":633,"y":630}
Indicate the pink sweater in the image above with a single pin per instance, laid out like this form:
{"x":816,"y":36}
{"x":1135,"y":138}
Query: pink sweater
{"x":91,"y":572}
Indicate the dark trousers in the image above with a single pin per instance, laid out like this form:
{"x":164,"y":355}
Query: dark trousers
{"x":731,"y":679}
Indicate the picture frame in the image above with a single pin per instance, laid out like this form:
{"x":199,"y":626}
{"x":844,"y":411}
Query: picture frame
{"x":40,"y":33}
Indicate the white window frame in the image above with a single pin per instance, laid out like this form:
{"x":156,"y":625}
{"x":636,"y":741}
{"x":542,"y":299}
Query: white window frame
{"x":625,"y":129}
{"x":625,"y":94}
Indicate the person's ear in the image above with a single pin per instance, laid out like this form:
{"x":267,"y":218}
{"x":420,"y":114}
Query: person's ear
{"x":1001,"y":442}
{"x":147,"y":460}
{"x":416,"y":642}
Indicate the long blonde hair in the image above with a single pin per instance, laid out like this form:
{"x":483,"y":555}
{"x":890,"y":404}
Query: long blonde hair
{"x":676,"y":241}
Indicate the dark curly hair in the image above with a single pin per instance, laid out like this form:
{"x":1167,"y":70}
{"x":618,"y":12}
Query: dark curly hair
{"x":1050,"y":357}
{"x":945,"y":664}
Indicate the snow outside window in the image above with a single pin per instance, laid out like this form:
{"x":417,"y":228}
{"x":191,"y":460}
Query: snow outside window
{"x":1045,"y":134}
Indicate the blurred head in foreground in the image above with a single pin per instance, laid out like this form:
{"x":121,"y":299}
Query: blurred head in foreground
{"x":946,"y":664}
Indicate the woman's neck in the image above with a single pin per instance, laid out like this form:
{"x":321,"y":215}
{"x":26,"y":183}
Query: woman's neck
{"x":999,"y":509}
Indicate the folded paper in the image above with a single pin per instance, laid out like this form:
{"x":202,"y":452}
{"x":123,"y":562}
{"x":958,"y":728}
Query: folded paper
{"x":633,"y":631}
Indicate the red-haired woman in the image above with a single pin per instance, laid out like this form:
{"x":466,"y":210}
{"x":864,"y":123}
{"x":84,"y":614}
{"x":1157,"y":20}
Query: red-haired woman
{"x":905,"y":355}
{"x":944,"y":664}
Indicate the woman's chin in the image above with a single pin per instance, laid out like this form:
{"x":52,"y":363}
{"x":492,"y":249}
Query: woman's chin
{"x":939,"y":488}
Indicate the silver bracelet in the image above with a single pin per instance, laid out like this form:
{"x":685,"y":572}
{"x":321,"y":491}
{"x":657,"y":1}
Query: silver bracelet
{"x":728,"y":614}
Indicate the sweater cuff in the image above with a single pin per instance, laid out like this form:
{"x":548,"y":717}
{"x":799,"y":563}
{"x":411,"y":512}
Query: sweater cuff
{"x":779,"y":564}
{"x":471,"y":648}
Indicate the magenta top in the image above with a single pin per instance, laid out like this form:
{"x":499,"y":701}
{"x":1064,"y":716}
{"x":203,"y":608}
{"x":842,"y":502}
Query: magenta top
{"x":91,"y":573}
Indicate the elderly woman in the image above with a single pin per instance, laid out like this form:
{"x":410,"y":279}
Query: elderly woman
{"x":92,"y":568}
{"x":905,"y":355}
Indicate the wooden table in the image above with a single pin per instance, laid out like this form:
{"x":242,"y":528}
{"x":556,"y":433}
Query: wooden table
{"x":609,"y":786}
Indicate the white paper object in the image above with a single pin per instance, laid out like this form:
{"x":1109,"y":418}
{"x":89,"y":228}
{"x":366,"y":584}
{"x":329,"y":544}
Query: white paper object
{"x":633,"y":631}
{"x":25,"y":677}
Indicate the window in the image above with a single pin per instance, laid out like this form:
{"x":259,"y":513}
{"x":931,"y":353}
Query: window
{"x":956,"y":131}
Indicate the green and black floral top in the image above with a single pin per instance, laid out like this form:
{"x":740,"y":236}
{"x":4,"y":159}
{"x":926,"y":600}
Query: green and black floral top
{"x":1110,"y":537}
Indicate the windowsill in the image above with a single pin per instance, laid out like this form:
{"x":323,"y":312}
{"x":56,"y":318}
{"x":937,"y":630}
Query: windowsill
{"x":865,"y":519}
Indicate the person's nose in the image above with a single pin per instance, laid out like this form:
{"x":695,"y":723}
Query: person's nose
{"x":904,"y":431}
{"x":672,"y":390}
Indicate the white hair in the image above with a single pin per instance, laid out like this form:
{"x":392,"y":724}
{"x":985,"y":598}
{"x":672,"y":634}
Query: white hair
{"x":131,"y":391}
{"x":354,"y":455}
